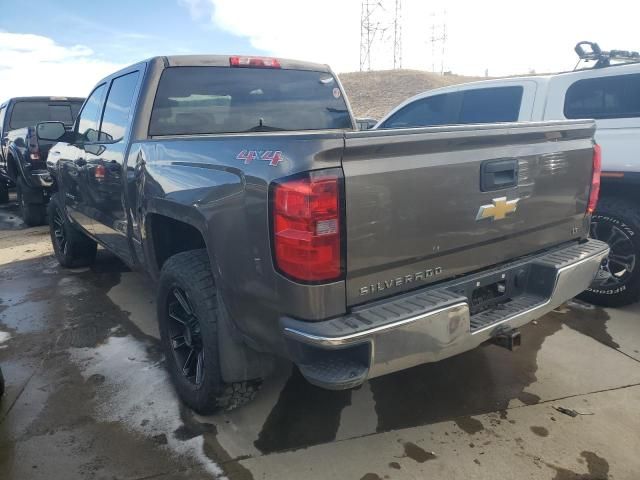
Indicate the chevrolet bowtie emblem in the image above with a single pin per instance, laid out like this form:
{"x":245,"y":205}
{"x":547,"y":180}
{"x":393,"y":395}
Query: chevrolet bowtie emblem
{"x":499,"y":209}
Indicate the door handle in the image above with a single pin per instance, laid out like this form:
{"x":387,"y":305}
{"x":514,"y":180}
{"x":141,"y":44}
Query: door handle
{"x":498,"y":174}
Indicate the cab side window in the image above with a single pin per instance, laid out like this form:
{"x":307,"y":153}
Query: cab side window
{"x":89,"y":118}
{"x":480,"y":105}
{"x":117,"y":110}
{"x":616,"y":96}
{"x":491,"y":105}
{"x":437,"y":110}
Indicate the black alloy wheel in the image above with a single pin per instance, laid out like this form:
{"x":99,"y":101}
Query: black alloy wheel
{"x":619,"y":266}
{"x":616,"y":222}
{"x":59,"y":234}
{"x":186,"y":336}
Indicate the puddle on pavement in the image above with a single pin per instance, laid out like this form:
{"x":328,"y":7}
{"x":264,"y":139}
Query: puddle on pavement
{"x":9,"y":217}
{"x":590,"y":321}
{"x":101,"y":380}
{"x":481,"y":381}
{"x":304,"y":415}
{"x":598,"y":468}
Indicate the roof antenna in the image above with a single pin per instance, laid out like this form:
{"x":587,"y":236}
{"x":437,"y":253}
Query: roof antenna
{"x":261,"y":121}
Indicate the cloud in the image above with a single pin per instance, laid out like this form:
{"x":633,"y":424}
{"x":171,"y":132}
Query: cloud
{"x":37,"y":65}
{"x":323,"y":32}
{"x":503,"y":37}
{"x":198,"y":9}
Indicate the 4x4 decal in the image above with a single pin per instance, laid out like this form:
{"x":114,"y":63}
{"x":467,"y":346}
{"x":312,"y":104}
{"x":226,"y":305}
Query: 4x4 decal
{"x":274,"y":157}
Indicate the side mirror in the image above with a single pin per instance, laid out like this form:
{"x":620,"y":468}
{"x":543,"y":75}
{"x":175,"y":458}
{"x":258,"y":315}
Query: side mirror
{"x":366,"y":123}
{"x":52,"y":131}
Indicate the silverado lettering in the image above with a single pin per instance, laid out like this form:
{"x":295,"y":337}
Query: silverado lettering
{"x":399,"y":281}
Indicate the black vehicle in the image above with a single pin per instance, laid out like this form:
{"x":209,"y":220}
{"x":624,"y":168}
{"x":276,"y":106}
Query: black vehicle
{"x":274,"y":228}
{"x":23,"y":157}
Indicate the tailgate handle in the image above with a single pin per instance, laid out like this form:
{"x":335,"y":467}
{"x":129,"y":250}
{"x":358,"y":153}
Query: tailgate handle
{"x":498,"y":174}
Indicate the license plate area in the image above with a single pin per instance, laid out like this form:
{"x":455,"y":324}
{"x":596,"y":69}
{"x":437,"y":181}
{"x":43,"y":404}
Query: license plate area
{"x":486,"y":296}
{"x":494,"y":288}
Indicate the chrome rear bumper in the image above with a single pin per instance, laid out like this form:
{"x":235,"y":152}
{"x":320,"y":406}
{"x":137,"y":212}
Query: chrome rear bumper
{"x":436,"y":322}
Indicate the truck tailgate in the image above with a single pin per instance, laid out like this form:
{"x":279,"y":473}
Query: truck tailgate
{"x":423,"y":205}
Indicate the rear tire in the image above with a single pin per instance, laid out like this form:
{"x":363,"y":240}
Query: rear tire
{"x":72,"y":248}
{"x":188,"y":319}
{"x":33,"y":214}
{"x":617,"y":222}
{"x":1,"y":384}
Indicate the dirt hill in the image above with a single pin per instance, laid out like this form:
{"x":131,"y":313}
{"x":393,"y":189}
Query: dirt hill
{"x":373,"y":94}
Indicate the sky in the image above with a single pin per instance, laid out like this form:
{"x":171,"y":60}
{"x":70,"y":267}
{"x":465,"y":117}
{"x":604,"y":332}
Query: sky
{"x":64,"y":47}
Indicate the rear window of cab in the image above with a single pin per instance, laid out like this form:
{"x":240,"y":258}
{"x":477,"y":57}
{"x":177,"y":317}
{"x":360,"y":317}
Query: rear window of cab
{"x":28,"y":113}
{"x":210,"y":100}
{"x":615,"y":96}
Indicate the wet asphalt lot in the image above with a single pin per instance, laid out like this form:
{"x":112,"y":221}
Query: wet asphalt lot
{"x":88,"y":397}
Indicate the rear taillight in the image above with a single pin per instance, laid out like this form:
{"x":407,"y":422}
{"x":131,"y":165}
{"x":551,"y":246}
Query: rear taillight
{"x":260,"y":62}
{"x":306,"y":223}
{"x":100,"y":173}
{"x":595,"y":179}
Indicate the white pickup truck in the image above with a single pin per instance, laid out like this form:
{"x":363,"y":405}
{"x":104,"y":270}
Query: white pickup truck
{"x":608,"y":92}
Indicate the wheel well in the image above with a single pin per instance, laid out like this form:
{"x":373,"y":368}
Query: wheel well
{"x":170,"y":236}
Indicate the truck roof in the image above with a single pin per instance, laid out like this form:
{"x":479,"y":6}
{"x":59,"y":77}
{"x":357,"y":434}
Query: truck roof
{"x":42,"y":99}
{"x":223,"y":61}
{"x":538,"y":78}
{"x":216,"y":61}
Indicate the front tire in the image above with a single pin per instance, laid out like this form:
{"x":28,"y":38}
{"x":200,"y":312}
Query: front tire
{"x":33,"y":214}
{"x":71,"y":247}
{"x":616,"y":222}
{"x":188,"y":319}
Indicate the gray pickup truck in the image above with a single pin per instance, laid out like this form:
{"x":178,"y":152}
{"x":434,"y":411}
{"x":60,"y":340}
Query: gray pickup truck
{"x":273,"y":228}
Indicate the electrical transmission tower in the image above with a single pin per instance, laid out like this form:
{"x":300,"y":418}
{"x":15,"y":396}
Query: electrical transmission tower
{"x":376,"y":22}
{"x":367,"y":33}
{"x":397,"y":35}
{"x":438,"y":38}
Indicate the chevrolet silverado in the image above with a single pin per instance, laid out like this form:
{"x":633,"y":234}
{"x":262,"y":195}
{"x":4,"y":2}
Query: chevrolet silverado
{"x":272,"y":227}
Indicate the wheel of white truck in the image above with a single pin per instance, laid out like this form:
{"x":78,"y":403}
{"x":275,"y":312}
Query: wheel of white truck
{"x":188,"y":319}
{"x":616,"y":222}
{"x":33,"y":214}
{"x":71,"y":247}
